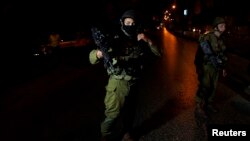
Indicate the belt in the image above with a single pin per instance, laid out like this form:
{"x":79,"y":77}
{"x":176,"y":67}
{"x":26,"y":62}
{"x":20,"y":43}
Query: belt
{"x":119,"y":77}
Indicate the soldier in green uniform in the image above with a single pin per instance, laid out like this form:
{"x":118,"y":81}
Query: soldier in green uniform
{"x":210,"y":60}
{"x":128,"y":53}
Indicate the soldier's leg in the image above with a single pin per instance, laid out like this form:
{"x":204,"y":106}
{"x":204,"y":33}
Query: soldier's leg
{"x":204,"y":86}
{"x":200,"y":109}
{"x":215,"y":78}
{"x":116,"y":90}
{"x":129,"y":112}
{"x":214,"y":82}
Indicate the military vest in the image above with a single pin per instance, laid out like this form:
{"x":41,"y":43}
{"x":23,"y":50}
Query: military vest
{"x":128,"y":56}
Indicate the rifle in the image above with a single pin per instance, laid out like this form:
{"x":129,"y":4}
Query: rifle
{"x":102,"y":42}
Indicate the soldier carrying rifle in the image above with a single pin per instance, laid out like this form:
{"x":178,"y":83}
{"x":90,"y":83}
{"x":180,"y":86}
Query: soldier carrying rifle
{"x":210,"y":60}
{"x":124,"y":52}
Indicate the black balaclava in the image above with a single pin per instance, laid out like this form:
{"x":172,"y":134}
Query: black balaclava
{"x":129,"y":30}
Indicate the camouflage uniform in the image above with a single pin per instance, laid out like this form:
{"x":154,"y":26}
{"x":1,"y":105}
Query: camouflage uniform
{"x":208,"y":73}
{"x":128,"y":56}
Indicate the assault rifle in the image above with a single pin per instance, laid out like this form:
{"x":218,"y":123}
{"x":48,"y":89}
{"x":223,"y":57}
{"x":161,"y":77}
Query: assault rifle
{"x":102,"y":42}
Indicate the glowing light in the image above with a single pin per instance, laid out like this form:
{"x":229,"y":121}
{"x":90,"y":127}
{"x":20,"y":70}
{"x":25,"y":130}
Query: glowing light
{"x":173,"y":6}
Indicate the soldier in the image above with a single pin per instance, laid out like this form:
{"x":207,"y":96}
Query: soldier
{"x":210,"y":60}
{"x":128,"y":51}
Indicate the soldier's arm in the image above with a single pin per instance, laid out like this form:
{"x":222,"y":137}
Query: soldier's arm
{"x":93,"y":59}
{"x":153,"y":47}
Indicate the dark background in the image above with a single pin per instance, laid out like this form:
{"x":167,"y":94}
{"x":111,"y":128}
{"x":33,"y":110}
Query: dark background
{"x":23,"y":22}
{"x":42,"y":15}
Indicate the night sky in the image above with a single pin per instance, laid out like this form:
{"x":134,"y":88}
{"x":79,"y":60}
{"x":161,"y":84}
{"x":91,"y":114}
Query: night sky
{"x":66,"y":13}
{"x":47,"y":13}
{"x":23,"y":18}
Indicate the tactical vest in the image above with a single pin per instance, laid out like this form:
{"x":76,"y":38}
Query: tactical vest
{"x":127,"y":55}
{"x":210,"y":51}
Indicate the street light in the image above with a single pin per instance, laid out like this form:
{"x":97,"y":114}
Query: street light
{"x":185,"y":12}
{"x":173,"y":6}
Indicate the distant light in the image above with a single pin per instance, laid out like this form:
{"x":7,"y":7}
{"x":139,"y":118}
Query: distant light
{"x":185,"y":12}
{"x":36,"y":54}
{"x":173,"y":6}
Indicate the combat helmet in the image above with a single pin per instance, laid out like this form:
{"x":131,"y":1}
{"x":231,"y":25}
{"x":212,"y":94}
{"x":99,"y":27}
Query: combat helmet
{"x":129,"y":14}
{"x":218,"y":20}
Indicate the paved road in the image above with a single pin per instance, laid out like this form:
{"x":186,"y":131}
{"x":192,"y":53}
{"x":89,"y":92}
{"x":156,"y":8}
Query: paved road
{"x":65,"y":103}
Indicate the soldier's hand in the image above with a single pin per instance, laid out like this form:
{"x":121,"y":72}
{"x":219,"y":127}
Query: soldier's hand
{"x":99,"y":54}
{"x":143,"y":37}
